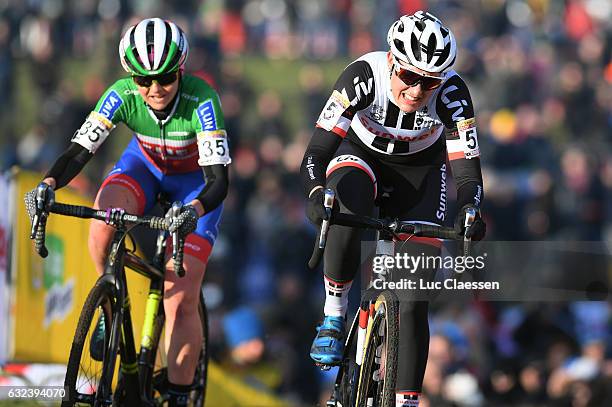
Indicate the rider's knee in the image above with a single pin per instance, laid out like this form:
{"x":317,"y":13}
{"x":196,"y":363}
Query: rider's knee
{"x":181,"y":303}
{"x":100,"y":234}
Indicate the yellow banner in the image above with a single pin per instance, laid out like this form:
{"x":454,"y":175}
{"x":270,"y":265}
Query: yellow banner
{"x":49,"y":293}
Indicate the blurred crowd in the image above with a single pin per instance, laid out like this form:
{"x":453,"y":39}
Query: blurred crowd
{"x":540,"y":74}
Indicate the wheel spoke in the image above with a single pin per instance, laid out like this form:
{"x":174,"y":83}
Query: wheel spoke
{"x":84,"y":373}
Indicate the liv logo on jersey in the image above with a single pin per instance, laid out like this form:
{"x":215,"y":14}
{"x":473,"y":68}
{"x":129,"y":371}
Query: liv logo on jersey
{"x":206,"y":114}
{"x":110,"y":104}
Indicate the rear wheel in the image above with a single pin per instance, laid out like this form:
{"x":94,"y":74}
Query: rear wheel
{"x":84,"y":374}
{"x":378,"y":373}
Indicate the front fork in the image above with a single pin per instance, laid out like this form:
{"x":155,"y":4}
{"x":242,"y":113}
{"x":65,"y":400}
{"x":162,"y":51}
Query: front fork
{"x":384,"y":247}
{"x":121,"y":342}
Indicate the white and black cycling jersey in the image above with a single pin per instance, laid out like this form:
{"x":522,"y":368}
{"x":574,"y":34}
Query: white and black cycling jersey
{"x":362,"y":106}
{"x":362,"y":111}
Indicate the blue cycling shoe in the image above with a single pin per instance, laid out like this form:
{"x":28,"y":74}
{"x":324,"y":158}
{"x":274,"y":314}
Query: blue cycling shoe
{"x":328,"y":346}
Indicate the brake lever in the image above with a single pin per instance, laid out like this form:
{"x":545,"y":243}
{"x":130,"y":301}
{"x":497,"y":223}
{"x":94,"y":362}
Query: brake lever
{"x":35,"y":222}
{"x":328,"y":203}
{"x":175,"y":211}
{"x":40,"y":207}
{"x":37,"y":233}
{"x":470,"y":217}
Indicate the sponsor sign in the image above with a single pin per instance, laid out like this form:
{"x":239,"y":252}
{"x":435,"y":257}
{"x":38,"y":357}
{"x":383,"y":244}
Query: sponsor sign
{"x":110,"y":104}
{"x":206,"y":114}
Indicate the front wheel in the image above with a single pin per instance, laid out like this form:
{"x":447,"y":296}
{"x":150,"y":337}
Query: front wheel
{"x":90,"y":362}
{"x":378,"y":372}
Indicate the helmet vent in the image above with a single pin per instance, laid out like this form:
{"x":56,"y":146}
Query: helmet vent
{"x":400,"y":46}
{"x":443,"y":55}
{"x":416,"y":47}
{"x":431,"y":48}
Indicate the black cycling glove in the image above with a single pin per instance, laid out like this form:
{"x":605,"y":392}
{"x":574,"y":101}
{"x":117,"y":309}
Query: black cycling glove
{"x":315,"y":210}
{"x":478,"y":229}
{"x":31,"y":202}
{"x":186,"y":222}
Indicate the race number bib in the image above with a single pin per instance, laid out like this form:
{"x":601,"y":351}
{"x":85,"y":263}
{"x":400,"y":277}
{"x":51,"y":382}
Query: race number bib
{"x":213,"y":148}
{"x":335,"y":106}
{"x":469,"y":137}
{"x":93,"y":132}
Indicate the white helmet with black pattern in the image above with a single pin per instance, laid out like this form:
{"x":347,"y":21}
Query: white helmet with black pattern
{"x":421,"y":40}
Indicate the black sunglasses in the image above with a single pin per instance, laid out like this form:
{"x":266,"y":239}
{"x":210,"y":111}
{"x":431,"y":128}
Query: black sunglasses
{"x":163,"y":80}
{"x":411,"y":78}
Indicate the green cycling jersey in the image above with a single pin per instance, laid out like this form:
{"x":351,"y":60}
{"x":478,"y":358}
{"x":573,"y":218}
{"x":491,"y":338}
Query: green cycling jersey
{"x":193,"y":134}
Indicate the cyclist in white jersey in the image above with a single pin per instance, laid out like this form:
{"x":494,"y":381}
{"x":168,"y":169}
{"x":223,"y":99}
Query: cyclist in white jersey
{"x":383,"y":140}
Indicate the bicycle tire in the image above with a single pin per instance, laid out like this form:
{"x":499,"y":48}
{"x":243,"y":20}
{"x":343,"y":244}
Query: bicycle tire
{"x":99,"y":302}
{"x":349,"y":377}
{"x":342,"y":393}
{"x":383,"y":332}
{"x":197,"y":395}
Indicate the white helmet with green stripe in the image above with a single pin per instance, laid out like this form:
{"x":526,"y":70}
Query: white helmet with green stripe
{"x":153,"y":47}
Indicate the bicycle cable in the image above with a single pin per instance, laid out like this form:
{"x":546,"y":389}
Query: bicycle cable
{"x":127,"y":233}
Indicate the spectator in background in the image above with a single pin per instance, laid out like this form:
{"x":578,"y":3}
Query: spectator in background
{"x":246,"y":350}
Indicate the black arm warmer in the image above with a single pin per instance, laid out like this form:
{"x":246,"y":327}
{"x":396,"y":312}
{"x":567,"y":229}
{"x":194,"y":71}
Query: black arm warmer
{"x":468,"y":178}
{"x":69,"y":164}
{"x":319,"y":153}
{"x":215,"y":190}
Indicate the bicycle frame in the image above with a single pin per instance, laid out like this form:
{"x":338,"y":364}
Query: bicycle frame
{"x":131,"y":365}
{"x":120,"y":334}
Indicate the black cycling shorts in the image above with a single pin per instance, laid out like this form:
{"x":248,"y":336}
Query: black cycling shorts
{"x":409,"y":188}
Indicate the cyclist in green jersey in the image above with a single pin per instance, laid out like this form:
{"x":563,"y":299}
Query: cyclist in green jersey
{"x":179,"y":148}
